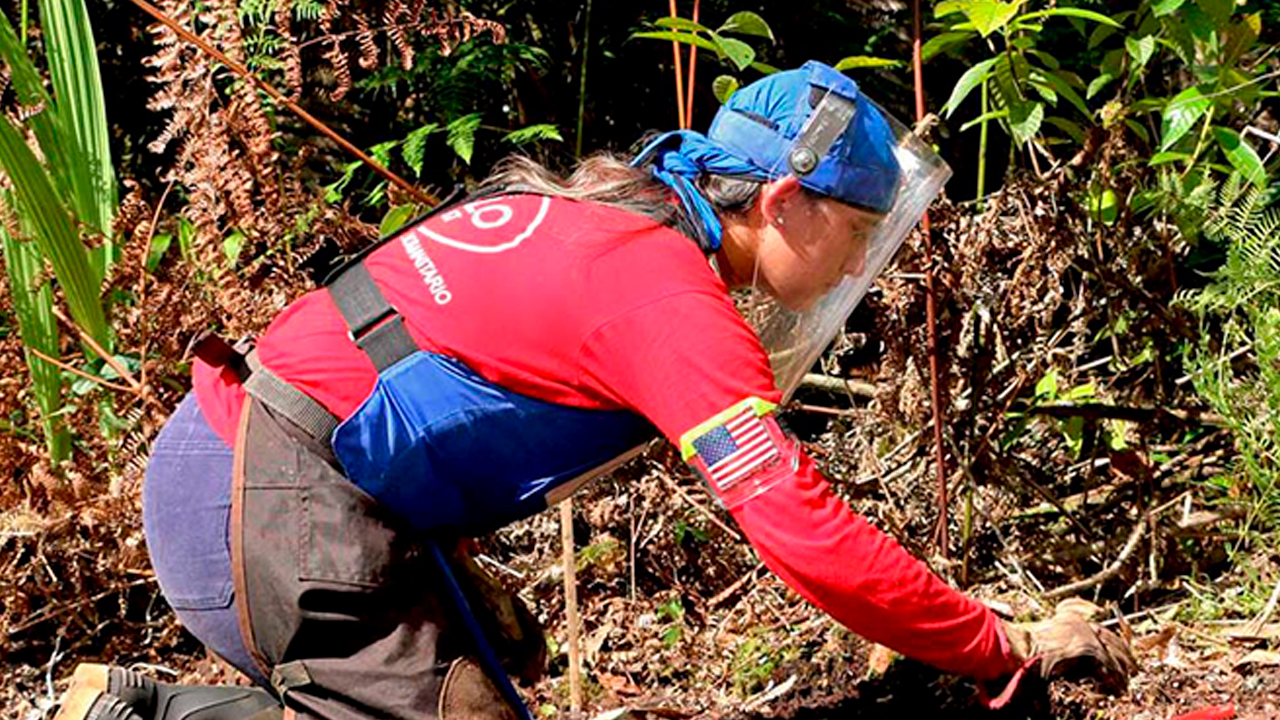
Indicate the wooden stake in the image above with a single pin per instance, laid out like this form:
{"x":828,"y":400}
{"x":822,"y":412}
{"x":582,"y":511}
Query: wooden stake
{"x":571,"y":606}
{"x":693,"y":64}
{"x":675,"y":51}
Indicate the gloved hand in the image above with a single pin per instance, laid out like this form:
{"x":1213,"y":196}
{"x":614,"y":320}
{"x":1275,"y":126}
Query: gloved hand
{"x":1071,"y":644}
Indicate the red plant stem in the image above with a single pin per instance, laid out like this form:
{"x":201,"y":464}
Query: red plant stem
{"x":279,"y":97}
{"x":931,"y":312}
{"x":675,"y":52}
{"x":693,"y":64}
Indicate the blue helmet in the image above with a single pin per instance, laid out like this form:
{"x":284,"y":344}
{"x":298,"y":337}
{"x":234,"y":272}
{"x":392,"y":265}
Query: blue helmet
{"x":762,"y":122}
{"x":765,"y":131}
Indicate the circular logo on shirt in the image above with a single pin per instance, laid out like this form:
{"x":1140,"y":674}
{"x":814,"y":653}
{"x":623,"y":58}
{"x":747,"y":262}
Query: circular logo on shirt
{"x":488,"y":226}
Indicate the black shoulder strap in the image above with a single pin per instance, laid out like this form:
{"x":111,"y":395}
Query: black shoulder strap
{"x":373,"y":323}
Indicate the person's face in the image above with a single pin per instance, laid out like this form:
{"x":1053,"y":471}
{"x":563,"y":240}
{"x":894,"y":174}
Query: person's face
{"x":813,"y":243}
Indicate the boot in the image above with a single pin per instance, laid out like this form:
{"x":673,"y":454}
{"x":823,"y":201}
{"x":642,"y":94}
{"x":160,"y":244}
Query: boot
{"x":89,"y":704}
{"x":145,"y":699}
{"x":134,"y":688}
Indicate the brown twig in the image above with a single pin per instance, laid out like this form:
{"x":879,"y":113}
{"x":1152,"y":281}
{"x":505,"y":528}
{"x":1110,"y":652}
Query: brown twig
{"x":142,"y":277}
{"x":705,"y":512}
{"x":570,"y":561}
{"x":1112,"y":570}
{"x":279,"y":97}
{"x":80,"y":373}
{"x":42,"y":616}
{"x":137,"y":387}
{"x":931,"y":311}
{"x":728,"y":592}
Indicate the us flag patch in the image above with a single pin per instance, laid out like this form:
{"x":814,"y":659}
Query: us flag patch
{"x":736,"y":448}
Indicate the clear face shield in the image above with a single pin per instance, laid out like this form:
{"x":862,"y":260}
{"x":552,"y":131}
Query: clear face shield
{"x":795,"y":338}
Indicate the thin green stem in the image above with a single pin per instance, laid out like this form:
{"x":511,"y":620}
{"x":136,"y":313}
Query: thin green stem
{"x":1204,"y":134}
{"x":982,"y":145}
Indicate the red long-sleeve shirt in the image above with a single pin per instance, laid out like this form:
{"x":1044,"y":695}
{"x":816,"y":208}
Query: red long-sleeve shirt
{"x":593,"y":307}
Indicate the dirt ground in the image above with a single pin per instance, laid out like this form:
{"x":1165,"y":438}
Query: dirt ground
{"x":703,"y":632}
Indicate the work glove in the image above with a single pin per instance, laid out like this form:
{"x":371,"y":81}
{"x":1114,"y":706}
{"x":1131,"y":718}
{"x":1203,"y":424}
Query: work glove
{"x":1071,"y":644}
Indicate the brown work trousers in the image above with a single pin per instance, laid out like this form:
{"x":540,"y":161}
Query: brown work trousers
{"x":340,"y":604}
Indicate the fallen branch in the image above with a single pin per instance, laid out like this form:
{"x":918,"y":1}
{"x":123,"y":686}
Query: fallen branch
{"x":1110,"y":571}
{"x":856,"y":388}
{"x":735,"y":587}
{"x":80,"y":373}
{"x":705,"y":512}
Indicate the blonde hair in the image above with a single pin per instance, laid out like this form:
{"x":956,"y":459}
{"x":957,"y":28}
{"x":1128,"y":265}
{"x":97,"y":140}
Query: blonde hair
{"x":608,"y":179}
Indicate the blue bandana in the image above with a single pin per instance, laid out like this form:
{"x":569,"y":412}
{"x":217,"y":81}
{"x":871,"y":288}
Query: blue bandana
{"x":755,"y":130}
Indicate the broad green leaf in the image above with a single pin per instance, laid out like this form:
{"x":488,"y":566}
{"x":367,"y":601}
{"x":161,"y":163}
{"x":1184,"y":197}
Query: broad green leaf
{"x":462,"y":135}
{"x":1063,"y":88}
{"x":1045,"y":91}
{"x":988,"y":16}
{"x":1181,"y":114}
{"x":232,"y":245}
{"x":680,"y":37}
{"x":1140,"y":50}
{"x":1219,"y":11}
{"x":724,"y":87}
{"x":1024,"y":120}
{"x":1045,"y":58}
{"x":1047,"y":386}
{"x":746,"y":23}
{"x":77,"y":90}
{"x":395,"y":219}
{"x":864,"y":61}
{"x":160,"y":243}
{"x":763,"y":68}
{"x":1098,"y":84}
{"x":54,"y":232}
{"x":941,"y":43}
{"x":1161,"y":158}
{"x":56,"y":144}
{"x":949,"y":7}
{"x":1240,"y":37}
{"x":1166,"y":7}
{"x":1071,"y":12}
{"x":533,"y":133}
{"x":1073,"y":130}
{"x":1241,"y":155}
{"x":679,"y":23}
{"x":1113,"y":62}
{"x":972,"y":78}
{"x":738,"y":52}
{"x":414,"y":147}
{"x":1099,"y":35}
{"x":187,"y":236}
{"x":37,"y":326}
{"x":1103,"y":206}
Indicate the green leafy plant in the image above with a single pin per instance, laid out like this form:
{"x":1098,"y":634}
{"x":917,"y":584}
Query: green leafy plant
{"x":59,"y":201}
{"x":1236,"y":363}
{"x":753,"y":666}
{"x":1019,"y":83}
{"x":737,"y":54}
{"x":671,"y":613}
